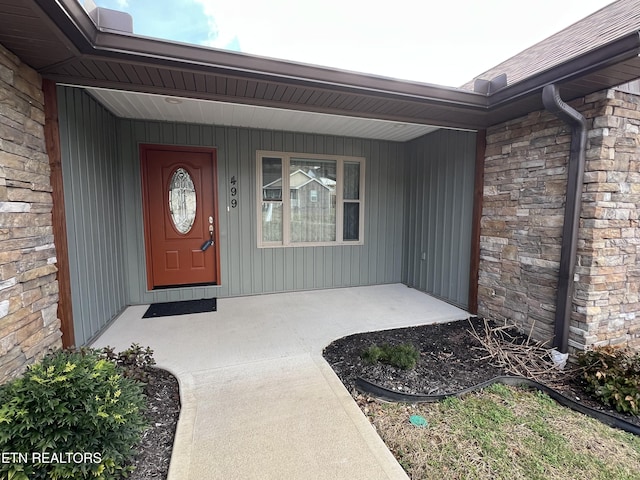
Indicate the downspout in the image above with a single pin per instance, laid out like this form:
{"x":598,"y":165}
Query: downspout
{"x":575,"y":179}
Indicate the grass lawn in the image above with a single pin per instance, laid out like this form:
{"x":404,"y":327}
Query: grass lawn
{"x":505,"y":433}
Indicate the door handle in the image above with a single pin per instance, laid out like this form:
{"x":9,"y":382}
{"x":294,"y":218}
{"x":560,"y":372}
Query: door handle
{"x":206,"y":245}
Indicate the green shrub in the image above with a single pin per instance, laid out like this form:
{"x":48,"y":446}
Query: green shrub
{"x":134,"y":361}
{"x":71,"y":403}
{"x":401,"y":356}
{"x":613,"y":376}
{"x":372,"y":355}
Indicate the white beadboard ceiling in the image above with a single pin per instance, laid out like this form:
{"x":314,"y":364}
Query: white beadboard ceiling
{"x":145,"y":106}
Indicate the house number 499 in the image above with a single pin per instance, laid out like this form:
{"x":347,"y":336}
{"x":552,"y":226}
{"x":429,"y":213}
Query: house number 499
{"x":234,"y":192}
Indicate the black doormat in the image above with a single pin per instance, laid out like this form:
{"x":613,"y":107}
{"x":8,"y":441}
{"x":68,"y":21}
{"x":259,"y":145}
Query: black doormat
{"x":181,"y":308}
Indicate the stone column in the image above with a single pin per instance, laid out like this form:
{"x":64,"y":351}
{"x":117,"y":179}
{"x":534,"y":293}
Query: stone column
{"x":29,"y":326}
{"x":524,"y":195}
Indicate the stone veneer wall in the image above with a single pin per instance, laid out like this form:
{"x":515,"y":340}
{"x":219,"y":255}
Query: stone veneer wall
{"x":524,"y":194}
{"x":28,"y":288}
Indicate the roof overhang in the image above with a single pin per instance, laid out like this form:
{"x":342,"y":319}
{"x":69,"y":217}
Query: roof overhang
{"x":59,"y":40}
{"x":608,"y":66}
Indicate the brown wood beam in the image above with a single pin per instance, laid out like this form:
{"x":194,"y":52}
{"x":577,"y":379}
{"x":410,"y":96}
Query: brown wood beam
{"x":478,"y":189}
{"x":52,"y":140}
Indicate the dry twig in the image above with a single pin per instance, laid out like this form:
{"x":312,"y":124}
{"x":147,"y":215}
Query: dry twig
{"x":519,"y":355}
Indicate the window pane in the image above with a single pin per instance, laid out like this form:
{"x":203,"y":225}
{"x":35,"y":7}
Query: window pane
{"x":271,"y":199}
{"x":182,"y":200}
{"x":313,"y":215}
{"x":272,"y":179}
{"x":351,"y":227}
{"x":271,"y":221}
{"x":351,"y":180}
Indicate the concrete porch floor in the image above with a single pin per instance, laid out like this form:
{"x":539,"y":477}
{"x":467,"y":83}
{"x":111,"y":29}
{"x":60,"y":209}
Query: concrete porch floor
{"x":258,"y":399}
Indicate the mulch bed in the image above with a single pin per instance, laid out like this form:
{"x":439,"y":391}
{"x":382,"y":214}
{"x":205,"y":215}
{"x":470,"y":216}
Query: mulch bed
{"x":451,"y":359}
{"x":163,"y":409}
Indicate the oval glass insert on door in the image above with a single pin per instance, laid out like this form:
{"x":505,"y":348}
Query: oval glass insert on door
{"x":182,"y":200}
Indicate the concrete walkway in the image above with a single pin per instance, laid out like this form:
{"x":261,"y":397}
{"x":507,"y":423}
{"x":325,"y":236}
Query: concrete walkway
{"x":258,"y":399}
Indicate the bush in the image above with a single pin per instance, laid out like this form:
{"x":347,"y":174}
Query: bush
{"x":613,"y":376}
{"x":401,"y":356}
{"x":72,"y":404}
{"x":134,"y":361}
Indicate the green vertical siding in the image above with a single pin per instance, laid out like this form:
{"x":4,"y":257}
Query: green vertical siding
{"x":439,"y":200}
{"x":246,"y":269}
{"x":418,"y":198}
{"x":92,"y":194}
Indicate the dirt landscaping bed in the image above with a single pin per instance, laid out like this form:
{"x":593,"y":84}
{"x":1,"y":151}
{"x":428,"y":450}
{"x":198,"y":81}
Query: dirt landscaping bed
{"x":163,"y":409}
{"x":451,"y":359}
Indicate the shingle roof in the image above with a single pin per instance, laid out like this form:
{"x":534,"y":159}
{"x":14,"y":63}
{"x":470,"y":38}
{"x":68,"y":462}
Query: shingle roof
{"x":607,"y":24}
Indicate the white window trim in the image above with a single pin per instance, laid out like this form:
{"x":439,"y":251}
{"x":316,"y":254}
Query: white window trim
{"x":286,"y":201}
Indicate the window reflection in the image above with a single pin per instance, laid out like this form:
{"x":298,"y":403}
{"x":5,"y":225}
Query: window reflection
{"x":313,"y":212}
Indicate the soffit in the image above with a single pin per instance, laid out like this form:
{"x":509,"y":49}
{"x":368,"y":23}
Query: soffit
{"x":345,"y":94}
{"x":30,"y":34}
{"x":174,"y":109}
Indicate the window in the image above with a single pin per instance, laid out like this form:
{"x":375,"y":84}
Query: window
{"x":325,"y":202}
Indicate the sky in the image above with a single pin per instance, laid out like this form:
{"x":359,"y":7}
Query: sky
{"x":441,"y":42}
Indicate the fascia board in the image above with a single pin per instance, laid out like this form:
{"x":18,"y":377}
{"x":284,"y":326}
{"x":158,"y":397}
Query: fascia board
{"x":625,"y":48}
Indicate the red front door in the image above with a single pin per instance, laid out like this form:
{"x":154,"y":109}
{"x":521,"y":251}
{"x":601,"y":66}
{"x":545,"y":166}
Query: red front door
{"x":180,"y":209}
